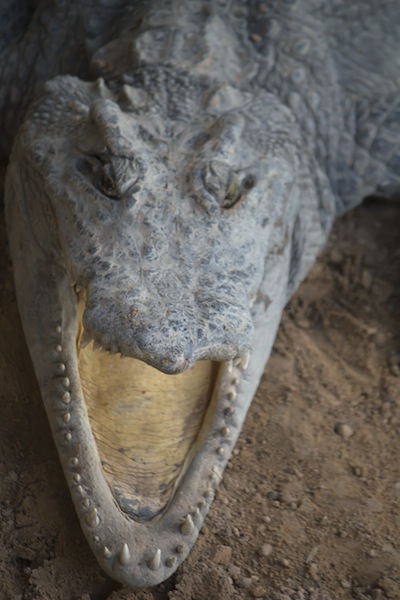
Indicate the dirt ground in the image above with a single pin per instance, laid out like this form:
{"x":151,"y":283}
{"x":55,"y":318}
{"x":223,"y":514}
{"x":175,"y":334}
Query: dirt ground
{"x":309,"y":505}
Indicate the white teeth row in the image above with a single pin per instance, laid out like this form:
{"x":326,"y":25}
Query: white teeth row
{"x":241,"y":361}
{"x":87,"y":339}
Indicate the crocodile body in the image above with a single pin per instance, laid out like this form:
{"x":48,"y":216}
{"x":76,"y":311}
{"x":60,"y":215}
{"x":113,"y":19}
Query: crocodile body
{"x":177,"y":169}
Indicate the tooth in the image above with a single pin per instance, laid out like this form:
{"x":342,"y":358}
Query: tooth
{"x":225,"y":432}
{"x":92,"y":518}
{"x":125,"y":555}
{"x":78,"y":288}
{"x":244,"y":363}
{"x":97,"y":346}
{"x":187,"y":526}
{"x":170,"y":562}
{"x":123,"y":355}
{"x":85,"y":339}
{"x":232,"y":394}
{"x":155,"y":561}
{"x":107,"y":552}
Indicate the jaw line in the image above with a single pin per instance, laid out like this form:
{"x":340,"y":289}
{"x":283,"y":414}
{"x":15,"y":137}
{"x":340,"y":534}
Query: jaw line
{"x":138,"y":554}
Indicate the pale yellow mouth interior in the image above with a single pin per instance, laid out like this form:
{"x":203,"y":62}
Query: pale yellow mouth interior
{"x":147,"y":425}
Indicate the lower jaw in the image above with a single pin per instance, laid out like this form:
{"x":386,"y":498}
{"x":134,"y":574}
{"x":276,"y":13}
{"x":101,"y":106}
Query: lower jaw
{"x":141,"y":542}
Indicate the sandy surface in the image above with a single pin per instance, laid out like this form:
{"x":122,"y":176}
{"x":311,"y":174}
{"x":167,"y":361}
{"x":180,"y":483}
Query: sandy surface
{"x":309,"y":506}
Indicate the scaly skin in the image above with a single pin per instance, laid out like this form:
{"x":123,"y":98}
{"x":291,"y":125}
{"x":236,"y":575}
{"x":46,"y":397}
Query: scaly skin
{"x":181,"y":199}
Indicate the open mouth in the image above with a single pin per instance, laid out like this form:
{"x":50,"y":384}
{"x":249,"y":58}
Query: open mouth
{"x":142,"y":451}
{"x":147,"y":425}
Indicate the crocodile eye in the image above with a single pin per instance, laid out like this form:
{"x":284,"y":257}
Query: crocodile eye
{"x":114,"y":176}
{"x":248,"y":182}
{"x":232,"y":195}
{"x":107,"y":181}
{"x":221,"y":182}
{"x":236,"y":190}
{"x":224,"y":183}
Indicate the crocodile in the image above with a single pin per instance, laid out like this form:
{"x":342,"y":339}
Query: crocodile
{"x":175,"y":168}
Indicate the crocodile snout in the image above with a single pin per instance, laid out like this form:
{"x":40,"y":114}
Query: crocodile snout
{"x":171,"y":341}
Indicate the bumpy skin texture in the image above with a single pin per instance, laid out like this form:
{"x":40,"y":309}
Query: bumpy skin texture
{"x":188,"y":192}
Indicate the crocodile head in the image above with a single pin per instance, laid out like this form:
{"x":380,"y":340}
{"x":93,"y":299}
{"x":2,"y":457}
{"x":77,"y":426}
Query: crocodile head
{"x":160,"y":232}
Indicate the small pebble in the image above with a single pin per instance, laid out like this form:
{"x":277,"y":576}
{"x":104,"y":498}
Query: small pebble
{"x":380,"y":338}
{"x":245,"y":582}
{"x":395,"y":370}
{"x":222,"y":555}
{"x":325,"y":520}
{"x":258,"y":592}
{"x":345,"y":584}
{"x":313,"y":571}
{"x":303,"y":323}
{"x":366,"y":279}
{"x":358,"y":472}
{"x":234,"y":572}
{"x":284,"y":562}
{"x":344,"y":430}
{"x":335,"y":257}
{"x":311,"y":555}
{"x":273,"y":495}
{"x":13,"y":476}
{"x":266,"y":549}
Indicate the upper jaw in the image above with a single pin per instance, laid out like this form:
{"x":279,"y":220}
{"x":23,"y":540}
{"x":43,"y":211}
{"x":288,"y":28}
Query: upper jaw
{"x":170,"y":338}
